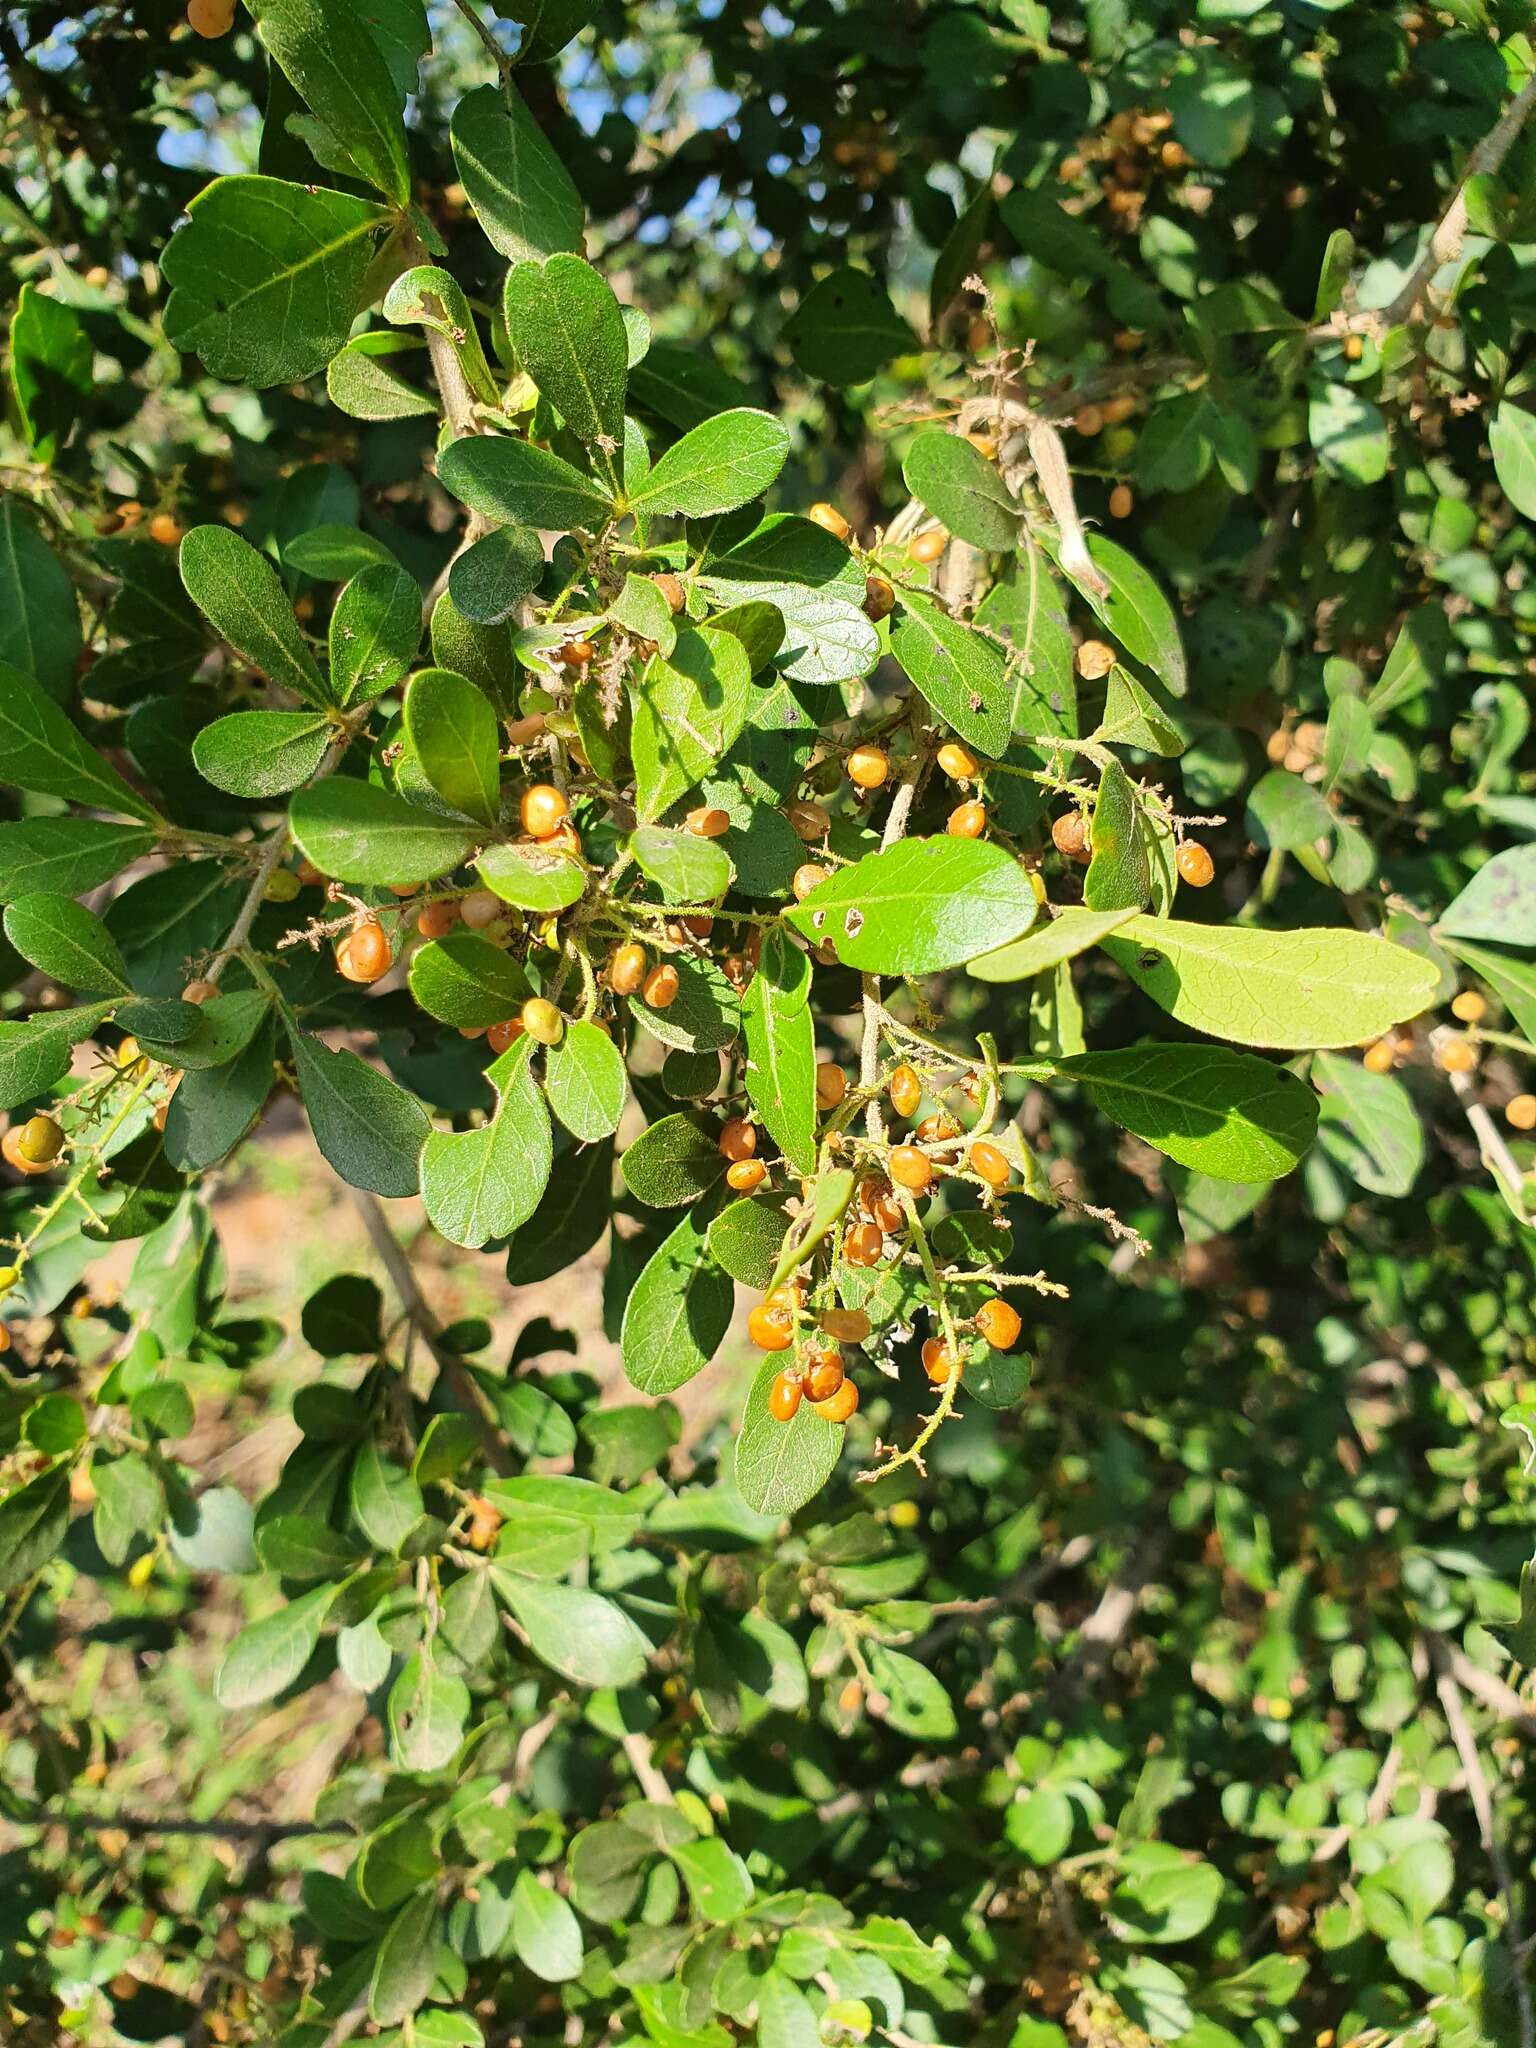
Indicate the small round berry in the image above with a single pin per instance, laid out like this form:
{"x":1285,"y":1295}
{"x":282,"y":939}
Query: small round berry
{"x":990,"y":1164}
{"x":905,"y":1514}
{"x":283,"y":885}
{"x":543,"y":810}
{"x":11,"y":1152}
{"x":967,"y":821}
{"x":1069,"y":834}
{"x":199,"y":991}
{"x":841,"y":1406}
{"x":165,"y":527}
{"x":542,"y":1021}
{"x":661,"y":986}
{"x":828,"y":517}
{"x":845,"y":1325}
{"x":1469,"y":1007}
{"x":937,"y":1129}
{"x":1195,"y":865}
{"x":790,"y":1295}
{"x":879,"y":598}
{"x":480,"y":908}
{"x":41,"y":1140}
{"x":672,"y":590}
{"x":437,"y":920}
{"x":784,"y":1397}
{"x":521,"y":732}
{"x":880,"y":1203}
{"x":807,"y":820}
{"x":578,"y":654}
{"x":868,"y":767}
{"x":910,"y":1169}
{"x":1379,"y":1058}
{"x":9,"y":1275}
{"x":809,"y":877}
{"x":831,"y":1085}
{"x":957,"y":762}
{"x":771,"y":1328}
{"x":365,"y":954}
{"x":210,"y":18}
{"x":823,"y":1373}
{"x":746,"y":1176}
{"x":310,"y":876}
{"x":1520,"y":1112}
{"x":1456,"y":1056}
{"x":738,"y":1139}
{"x":501,"y":1037}
{"x":628,"y":966}
{"x":863,"y":1244}
{"x":1089,"y":420}
{"x":1094,"y":660}
{"x":905,"y":1090}
{"x":939,"y":1362}
{"x":1122,"y":502}
{"x":999,"y":1322}
{"x":927,"y":547}
{"x":708,"y":822}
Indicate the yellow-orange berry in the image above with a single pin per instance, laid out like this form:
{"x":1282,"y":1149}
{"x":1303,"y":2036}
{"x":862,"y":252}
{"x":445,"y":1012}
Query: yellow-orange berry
{"x":1379,"y":1058}
{"x":863,"y":1244}
{"x":807,"y":878}
{"x":542,"y":1021}
{"x":661,"y":986}
{"x":845,"y":1325}
{"x":868,"y":767}
{"x":910,"y":1169}
{"x":840,"y":1406}
{"x":628,"y":966}
{"x":672,"y":590}
{"x":1000,"y":1323}
{"x":879,"y":598}
{"x":746,"y":1176}
{"x":199,"y":991}
{"x":437,"y":920}
{"x":808,"y":821}
{"x":1195,"y":865}
{"x":1122,"y":502}
{"x":987,"y":1161}
{"x":770,"y":1327}
{"x":1520,"y":1112}
{"x":578,"y":654}
{"x":957,"y":762}
{"x":1094,"y":660}
{"x":1469,"y":1007}
{"x":42,"y":1138}
{"x":210,"y":18}
{"x":738,"y":1139}
{"x":927,"y":547}
{"x":11,"y":1152}
{"x":1069,"y":834}
{"x":905,"y":1090}
{"x":939,"y":1362}
{"x":543,"y":809}
{"x":823,"y":1364}
{"x":828,"y":516}
{"x":1456,"y":1056}
{"x":1089,"y":419}
{"x":831,"y":1085}
{"x":708,"y":822}
{"x":365,"y":953}
{"x":967,"y":821}
{"x":879,"y":1201}
{"x":784,"y":1397}
{"x":501,"y":1037}
{"x":165,"y":527}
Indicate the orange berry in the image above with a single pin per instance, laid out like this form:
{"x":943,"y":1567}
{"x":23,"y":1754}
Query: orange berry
{"x":578,"y":654}
{"x":937,"y":1129}
{"x":807,"y":878}
{"x":1379,"y":1058}
{"x":708,"y":822}
{"x":879,"y":598}
{"x":771,"y":1328}
{"x":846,"y":1325}
{"x":199,"y":991}
{"x":1520,"y":1112}
{"x":480,"y":908}
{"x":671,"y":589}
{"x":746,"y":1176}
{"x":990,"y":1164}
{"x":868,"y":767}
{"x":1195,"y":865}
{"x":165,"y":527}
{"x":738,"y":1139}
{"x":878,"y":1200}
{"x":542,"y":1021}
{"x":840,"y":1406}
{"x":627,"y":968}
{"x":1069,"y":834}
{"x":10,"y":1150}
{"x":543,"y":810}
{"x":823,"y":1373}
{"x":504,"y":1035}
{"x":661,"y":986}
{"x":1094,"y":660}
{"x":365,"y":954}
{"x":957,"y":762}
{"x":436,"y":920}
{"x":831,"y":1085}
{"x":863,"y":1244}
{"x":939,"y":1361}
{"x":210,"y":18}
{"x":1000,"y":1323}
{"x":910,"y":1169}
{"x":927,"y":547}
{"x":967,"y":821}
{"x":1089,"y":420}
{"x":791,"y":1295}
{"x":1456,"y":1056}
{"x":1122,"y":502}
{"x":1469,"y":1007}
{"x":784,"y":1397}
{"x":831,"y":519}
{"x":905,"y":1089}
{"x":808,"y":821}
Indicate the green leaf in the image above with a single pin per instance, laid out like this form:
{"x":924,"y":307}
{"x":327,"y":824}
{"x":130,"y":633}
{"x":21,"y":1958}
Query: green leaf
{"x":584,"y":1637}
{"x":537,"y":878}
{"x":36,"y":1054}
{"x":265,"y":1658}
{"x":1283,"y":811}
{"x":962,"y":490}
{"x":385,"y":1501}
{"x":1070,"y":932}
{"x":1136,"y":613}
{"x":1297,"y":990}
{"x":1119,"y":875}
{"x":705,"y":1014}
{"x":338,"y":69}
{"x":1513,"y":981}
{"x":374,"y":633}
{"x":688,"y":710}
{"x":405,"y":1966}
{"x":452,"y":728}
{"x":465,"y":981}
{"x":718,"y":1885}
{"x":238,"y":592}
{"x":262,"y":753}
{"x":685,"y":867}
{"x":746,"y":1239}
{"x":545,"y":1932}
{"x":1027,"y":607}
{"x":267,"y":277}
{"x":357,"y":832}
{"x":344,"y":1315}
{"x":1213,"y":104}
{"x":44,"y":753}
{"x":363,"y":380}
{"x":213,"y":1109}
{"x":572,"y":1215}
{"x":481,"y":1184}
{"x":962,"y":673}
{"x":336,"y":552}
{"x":919,"y":906}
{"x":678,"y":1311}
{"x":69,"y":943}
{"x":51,"y":372}
{"x":585,"y":1081}
{"x":1369,"y":1126}
{"x":427,"y":1709}
{"x":490,"y":580}
{"x":522,"y":194}
{"x":66,"y":856}
{"x":34,"y":1520}
{"x":725,"y":462}
{"x":1512,"y":440}
{"x":919,"y":1705}
{"x":1227,"y":1114}
{"x":447,"y":1444}
{"x":516,"y":484}
{"x":673,"y":1161}
{"x":213,"y":1533}
{"x":39,"y":613}
{"x":222,"y":1028}
{"x":1040,"y":1825}
{"x":1498,"y":903}
{"x":845,"y":329}
{"x":782,"y":1465}
{"x":301,"y":1547}
{"x":1349,"y":434}
{"x":568,"y":331}
{"x":781,"y":1049}
{"x":426,"y":296}
{"x":1164,"y":1897}
{"x":366,"y":1125}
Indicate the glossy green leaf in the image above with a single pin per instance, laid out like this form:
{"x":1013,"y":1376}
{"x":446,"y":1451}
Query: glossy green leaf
{"x":537,"y":877}
{"x":453,"y":730}
{"x":1227,"y":1114}
{"x":1512,"y":440}
{"x":586,"y":1083}
{"x":405,"y":1964}
{"x":358,"y":832}
{"x":685,"y":867}
{"x":39,"y":612}
{"x":375,"y":631}
{"x":1369,"y":1127}
{"x":484,"y":1183}
{"x":238,"y":592}
{"x":490,"y":579}
{"x":1499,"y":903}
{"x":919,"y":906}
{"x":337,"y":67}
{"x":427,"y":1710}
{"x":725,"y":462}
{"x":566,"y":326}
{"x":545,"y":1932}
{"x":781,"y":1049}
{"x":517,"y":484}
{"x":584,"y":1637}
{"x":465,"y":981}
{"x":52,"y":361}
{"x":68,"y":942}
{"x":1119,"y":875}
{"x":266,"y":1657}
{"x":522,"y":194}
{"x":66,"y":856}
{"x":1070,"y":931}
{"x":678,"y":1311}
{"x":674,"y":1160}
{"x":687,"y":712}
{"x":262,"y":753}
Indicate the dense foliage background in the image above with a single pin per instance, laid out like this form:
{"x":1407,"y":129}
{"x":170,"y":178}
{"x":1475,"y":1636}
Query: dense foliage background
{"x":1182,"y":1693}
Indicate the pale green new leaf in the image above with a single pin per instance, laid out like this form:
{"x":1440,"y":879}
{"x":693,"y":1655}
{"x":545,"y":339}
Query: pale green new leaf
{"x":781,"y":1050}
{"x":919,"y":906}
{"x":481,"y":1184}
{"x":454,"y":734}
